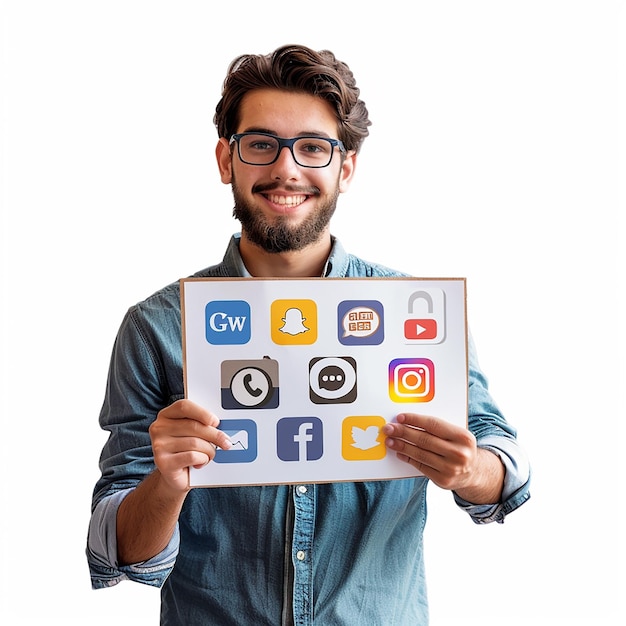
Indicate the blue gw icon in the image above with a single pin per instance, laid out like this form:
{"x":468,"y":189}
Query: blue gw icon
{"x":227,"y":322}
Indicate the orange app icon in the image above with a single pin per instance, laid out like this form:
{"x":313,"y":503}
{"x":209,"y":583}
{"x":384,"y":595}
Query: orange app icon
{"x":294,"y":322}
{"x":361,"y":439}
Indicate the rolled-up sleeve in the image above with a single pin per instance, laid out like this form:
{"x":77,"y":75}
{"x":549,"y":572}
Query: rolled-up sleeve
{"x":494,"y":433}
{"x":104,"y":568}
{"x":138,"y":387}
{"x":515,"y":490}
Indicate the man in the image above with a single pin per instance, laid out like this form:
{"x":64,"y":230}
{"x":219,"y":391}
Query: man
{"x":290,"y":127}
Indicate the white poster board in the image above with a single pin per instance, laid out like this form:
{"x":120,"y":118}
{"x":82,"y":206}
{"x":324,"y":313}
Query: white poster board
{"x":303,"y":373}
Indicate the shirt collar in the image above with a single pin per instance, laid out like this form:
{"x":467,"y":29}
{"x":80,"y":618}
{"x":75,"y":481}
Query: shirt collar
{"x":335,"y":267}
{"x":232,"y":259}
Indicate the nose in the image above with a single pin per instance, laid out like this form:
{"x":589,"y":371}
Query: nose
{"x":285,"y":166}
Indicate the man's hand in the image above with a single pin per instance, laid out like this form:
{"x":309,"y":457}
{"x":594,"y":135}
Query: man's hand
{"x":447,"y":455}
{"x":184,"y":435}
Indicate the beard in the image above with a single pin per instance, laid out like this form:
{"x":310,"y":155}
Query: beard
{"x":279,"y":235}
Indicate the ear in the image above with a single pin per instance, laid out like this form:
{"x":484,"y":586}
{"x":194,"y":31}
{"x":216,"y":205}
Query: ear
{"x":347,"y":171}
{"x":224,"y":162}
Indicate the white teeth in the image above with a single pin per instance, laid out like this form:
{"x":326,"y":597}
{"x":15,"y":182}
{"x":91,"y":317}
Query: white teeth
{"x":287,"y":200}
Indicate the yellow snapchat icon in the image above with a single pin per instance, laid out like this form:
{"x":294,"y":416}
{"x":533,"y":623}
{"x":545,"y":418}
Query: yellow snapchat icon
{"x":361,"y":439}
{"x":294,"y":322}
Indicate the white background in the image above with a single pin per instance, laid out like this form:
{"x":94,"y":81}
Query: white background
{"x":493,"y":155}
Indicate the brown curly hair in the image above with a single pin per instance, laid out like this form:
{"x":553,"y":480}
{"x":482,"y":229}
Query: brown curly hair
{"x":299,"y":69}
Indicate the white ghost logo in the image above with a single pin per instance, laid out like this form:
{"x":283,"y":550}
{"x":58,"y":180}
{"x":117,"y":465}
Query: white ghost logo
{"x":294,"y":322}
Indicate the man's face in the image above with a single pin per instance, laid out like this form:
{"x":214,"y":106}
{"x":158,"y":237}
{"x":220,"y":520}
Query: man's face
{"x":284,"y":206}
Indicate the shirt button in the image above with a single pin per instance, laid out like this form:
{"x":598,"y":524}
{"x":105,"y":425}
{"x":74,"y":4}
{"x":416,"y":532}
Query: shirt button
{"x":302,"y":489}
{"x":300,"y":555}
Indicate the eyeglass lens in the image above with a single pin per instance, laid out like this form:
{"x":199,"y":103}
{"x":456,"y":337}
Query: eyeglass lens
{"x":307,"y":151}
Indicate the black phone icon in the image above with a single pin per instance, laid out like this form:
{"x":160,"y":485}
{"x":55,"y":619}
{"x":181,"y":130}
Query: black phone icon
{"x":254,"y":392}
{"x":249,"y":384}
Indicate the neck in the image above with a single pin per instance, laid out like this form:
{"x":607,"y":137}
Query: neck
{"x":305,"y":263}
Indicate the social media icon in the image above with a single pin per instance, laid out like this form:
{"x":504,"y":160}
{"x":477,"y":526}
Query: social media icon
{"x":361,"y":439}
{"x":299,"y":439}
{"x":360,"y":322}
{"x":411,"y":380}
{"x":421,"y":329}
{"x":249,"y":384}
{"x":293,"y":322}
{"x":426,"y":320}
{"x":243,"y":435}
{"x":227,"y":322}
{"x":332,"y":380}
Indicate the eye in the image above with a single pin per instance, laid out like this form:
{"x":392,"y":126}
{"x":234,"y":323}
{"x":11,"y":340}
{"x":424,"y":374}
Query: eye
{"x":260,"y":145}
{"x":313,"y":146}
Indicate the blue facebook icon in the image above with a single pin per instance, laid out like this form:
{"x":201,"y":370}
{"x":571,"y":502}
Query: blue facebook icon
{"x":299,"y":439}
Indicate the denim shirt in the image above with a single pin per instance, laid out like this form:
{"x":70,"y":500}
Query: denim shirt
{"x":336,"y":553}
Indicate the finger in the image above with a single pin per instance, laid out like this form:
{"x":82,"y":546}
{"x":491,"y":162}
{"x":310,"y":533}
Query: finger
{"x":422,"y":459}
{"x":186,"y":409}
{"x":207,"y":434}
{"x":181,"y":452}
{"x":401,"y":435}
{"x":434,"y":425}
{"x":439,"y":428}
{"x":222,"y":440}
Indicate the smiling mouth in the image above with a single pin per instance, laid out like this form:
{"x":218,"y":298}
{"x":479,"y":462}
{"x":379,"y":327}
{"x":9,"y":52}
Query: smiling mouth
{"x":287,"y":201}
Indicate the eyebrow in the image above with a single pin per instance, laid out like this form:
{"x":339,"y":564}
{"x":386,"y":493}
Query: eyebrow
{"x":269,"y":131}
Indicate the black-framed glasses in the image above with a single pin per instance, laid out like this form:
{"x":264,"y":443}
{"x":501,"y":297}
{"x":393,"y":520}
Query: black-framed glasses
{"x":264,"y":149}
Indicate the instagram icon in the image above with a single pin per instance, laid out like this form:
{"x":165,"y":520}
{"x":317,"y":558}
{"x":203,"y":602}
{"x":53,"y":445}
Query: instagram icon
{"x":411,"y":380}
